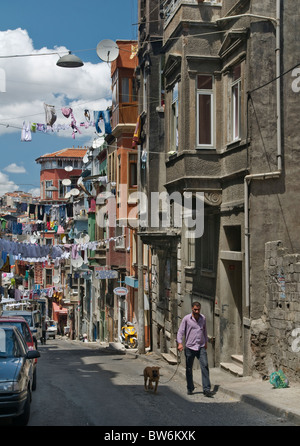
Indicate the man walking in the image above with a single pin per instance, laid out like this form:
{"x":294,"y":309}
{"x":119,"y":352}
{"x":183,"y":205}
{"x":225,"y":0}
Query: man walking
{"x":193,"y":329}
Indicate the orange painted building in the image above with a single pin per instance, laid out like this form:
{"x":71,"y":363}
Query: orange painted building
{"x":122,"y":169}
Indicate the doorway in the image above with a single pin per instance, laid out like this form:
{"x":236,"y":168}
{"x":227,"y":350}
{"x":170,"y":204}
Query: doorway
{"x":231,"y":309}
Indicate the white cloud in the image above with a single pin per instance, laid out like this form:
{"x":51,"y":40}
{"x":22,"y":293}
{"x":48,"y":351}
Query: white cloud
{"x":36,"y":192}
{"x":35,"y":80}
{"x":6,"y":185}
{"x":13,"y":168}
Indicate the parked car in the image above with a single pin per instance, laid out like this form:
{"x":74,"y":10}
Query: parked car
{"x":24,"y":329}
{"x":16,"y":375}
{"x":33,"y":319}
{"x":51,"y":329}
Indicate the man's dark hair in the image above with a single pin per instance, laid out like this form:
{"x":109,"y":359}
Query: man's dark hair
{"x":196,"y":304}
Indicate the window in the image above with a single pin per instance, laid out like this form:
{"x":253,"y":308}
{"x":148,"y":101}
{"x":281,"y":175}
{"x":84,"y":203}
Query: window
{"x":48,"y":277}
{"x":208,"y":244}
{"x":61,"y":188}
{"x":191,"y":255}
{"x":125,"y":90}
{"x":120,"y":240}
{"x":205,"y":111}
{"x":236,"y":103}
{"x":145,"y":89}
{"x":115,"y":90}
{"x":162,"y":80}
{"x":49,"y":193}
{"x":174,"y":118}
{"x":132,"y":170}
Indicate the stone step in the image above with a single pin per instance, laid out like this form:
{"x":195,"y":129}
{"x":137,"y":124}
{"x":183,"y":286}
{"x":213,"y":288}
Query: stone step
{"x":171,"y":359}
{"x":173,"y":351}
{"x":238,"y":360}
{"x":232,"y":368}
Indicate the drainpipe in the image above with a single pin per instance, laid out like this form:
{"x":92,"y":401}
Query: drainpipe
{"x":267,"y":175}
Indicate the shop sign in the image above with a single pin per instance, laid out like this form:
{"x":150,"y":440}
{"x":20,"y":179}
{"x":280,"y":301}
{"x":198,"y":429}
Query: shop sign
{"x":121,"y":291}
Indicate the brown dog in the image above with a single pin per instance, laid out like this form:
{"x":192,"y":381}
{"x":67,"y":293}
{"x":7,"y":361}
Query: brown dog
{"x":151,"y":374}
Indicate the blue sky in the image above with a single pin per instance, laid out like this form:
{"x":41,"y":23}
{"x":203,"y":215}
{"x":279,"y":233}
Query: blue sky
{"x":59,"y":26}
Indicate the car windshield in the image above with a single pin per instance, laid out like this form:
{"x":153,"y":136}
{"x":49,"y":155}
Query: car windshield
{"x":9,"y":346}
{"x":21,"y":326}
{"x":28,"y":319}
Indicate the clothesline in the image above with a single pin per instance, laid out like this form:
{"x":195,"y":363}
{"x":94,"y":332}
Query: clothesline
{"x":35,"y":253}
{"x":101,"y":122}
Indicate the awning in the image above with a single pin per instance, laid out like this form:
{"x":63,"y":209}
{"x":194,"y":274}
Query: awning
{"x":57,"y":309}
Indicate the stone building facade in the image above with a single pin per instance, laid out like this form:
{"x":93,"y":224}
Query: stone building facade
{"x":231,"y":87}
{"x":275,"y":336}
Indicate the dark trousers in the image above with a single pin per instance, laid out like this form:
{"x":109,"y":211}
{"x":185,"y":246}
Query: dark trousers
{"x":201,"y":355}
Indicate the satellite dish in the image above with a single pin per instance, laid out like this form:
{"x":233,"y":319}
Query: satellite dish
{"x":56,"y":279}
{"x":77,"y":263}
{"x":74,"y":192}
{"x":85,"y":159}
{"x":107,"y":50}
{"x":66,"y":182}
{"x":68,"y":195}
{"x":68,"y":168}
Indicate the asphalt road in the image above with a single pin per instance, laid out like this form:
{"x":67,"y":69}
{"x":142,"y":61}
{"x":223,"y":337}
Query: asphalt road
{"x":80,"y":386}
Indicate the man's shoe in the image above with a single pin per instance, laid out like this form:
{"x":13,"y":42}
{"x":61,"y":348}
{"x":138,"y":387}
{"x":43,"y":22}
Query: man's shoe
{"x":208,"y":393}
{"x":189,"y":392}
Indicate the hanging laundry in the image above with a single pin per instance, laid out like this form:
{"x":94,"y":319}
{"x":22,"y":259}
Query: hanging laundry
{"x":41,"y":211}
{"x":100,"y":118}
{"x":41,"y":128}
{"x":87,"y":115}
{"x":66,"y":111}
{"x":26,"y":133}
{"x":32,"y":209}
{"x":144,"y":158}
{"x":137,"y":133}
{"x":50,"y":114}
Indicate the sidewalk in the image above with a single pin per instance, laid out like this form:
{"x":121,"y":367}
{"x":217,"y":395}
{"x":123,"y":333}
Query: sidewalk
{"x":258,"y":393}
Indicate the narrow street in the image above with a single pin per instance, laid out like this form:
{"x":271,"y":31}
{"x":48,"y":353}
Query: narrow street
{"x":80,"y":386}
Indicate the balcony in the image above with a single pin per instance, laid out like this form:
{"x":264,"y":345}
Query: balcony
{"x":124,"y":114}
{"x":170,"y":7}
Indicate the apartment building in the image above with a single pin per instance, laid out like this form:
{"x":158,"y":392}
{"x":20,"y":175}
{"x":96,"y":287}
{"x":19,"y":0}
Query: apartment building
{"x":218,"y":96}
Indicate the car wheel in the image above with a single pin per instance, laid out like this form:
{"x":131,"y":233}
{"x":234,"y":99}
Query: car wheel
{"x":22,"y":420}
{"x":34,"y":380}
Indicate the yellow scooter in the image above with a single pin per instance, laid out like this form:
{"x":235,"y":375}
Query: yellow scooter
{"x":128,"y":335}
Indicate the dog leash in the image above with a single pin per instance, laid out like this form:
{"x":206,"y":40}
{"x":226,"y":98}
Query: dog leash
{"x":178,"y":363}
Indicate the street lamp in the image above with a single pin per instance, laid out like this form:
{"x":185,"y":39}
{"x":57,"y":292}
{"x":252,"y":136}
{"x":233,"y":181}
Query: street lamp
{"x":69,"y":61}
